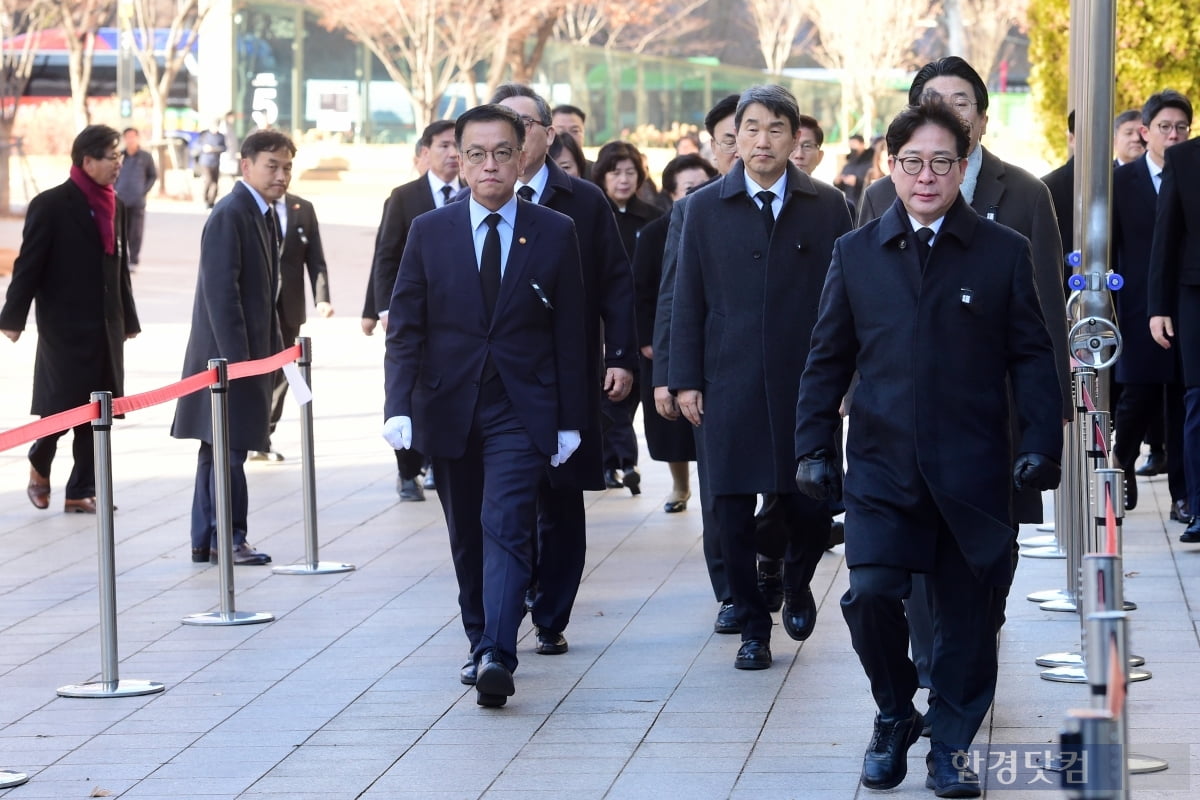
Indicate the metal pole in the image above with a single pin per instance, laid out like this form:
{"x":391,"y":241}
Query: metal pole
{"x":221,"y":497}
{"x":1089,"y":770}
{"x":313,"y":565}
{"x":110,"y":684}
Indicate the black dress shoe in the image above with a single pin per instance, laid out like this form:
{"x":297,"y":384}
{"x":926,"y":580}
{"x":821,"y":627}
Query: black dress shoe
{"x":1179,"y":512}
{"x":243,"y":556}
{"x":837,"y":534}
{"x":550,"y":643}
{"x":611,"y":481}
{"x":770,"y":582}
{"x":199,"y":555}
{"x":753,"y":654}
{"x":1192,"y":534}
{"x":799,"y":614}
{"x":727,"y":620}
{"x":1156,"y":464}
{"x":886,"y":761}
{"x":409,"y":490}
{"x":493,"y":682}
{"x":950,"y":774}
{"x":632,"y":480}
{"x":466,"y":675}
{"x":264,"y":455}
{"x":1131,"y":489}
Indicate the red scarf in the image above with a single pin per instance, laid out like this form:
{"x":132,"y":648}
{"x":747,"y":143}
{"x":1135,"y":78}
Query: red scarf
{"x":103,"y":202}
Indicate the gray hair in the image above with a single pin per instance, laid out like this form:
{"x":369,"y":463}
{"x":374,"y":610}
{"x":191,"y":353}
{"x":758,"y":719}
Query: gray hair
{"x":507,"y":90}
{"x":778,"y":100}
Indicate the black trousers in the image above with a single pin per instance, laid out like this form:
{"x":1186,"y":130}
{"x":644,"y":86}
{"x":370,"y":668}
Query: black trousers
{"x":279,"y":390}
{"x":619,"y":438}
{"x":964,"y":642}
{"x":1137,"y":409}
{"x":710,"y":537}
{"x":212,"y":181}
{"x":82,"y":481}
{"x":136,"y":221}
{"x":807,"y":534}
{"x":561,"y":549}
{"x":204,"y":498}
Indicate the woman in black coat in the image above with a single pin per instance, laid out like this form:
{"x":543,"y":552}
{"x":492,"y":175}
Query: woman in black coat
{"x":667,"y":440}
{"x":75,"y":263}
{"x":619,"y":172}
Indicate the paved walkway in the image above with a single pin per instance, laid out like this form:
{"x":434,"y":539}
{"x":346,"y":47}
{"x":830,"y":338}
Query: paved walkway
{"x":352,"y":692}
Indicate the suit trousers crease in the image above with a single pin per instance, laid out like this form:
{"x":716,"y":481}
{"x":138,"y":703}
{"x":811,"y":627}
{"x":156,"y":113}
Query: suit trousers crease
{"x":489,"y":496}
{"x":963,"y":668}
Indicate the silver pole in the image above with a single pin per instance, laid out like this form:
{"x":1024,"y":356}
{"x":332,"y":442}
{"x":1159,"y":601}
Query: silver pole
{"x":313,"y":565}
{"x":1086,"y":763}
{"x":110,"y":684}
{"x":219,"y":391}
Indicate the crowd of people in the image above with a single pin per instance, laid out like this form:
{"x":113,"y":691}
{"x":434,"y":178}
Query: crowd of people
{"x":530,"y":299}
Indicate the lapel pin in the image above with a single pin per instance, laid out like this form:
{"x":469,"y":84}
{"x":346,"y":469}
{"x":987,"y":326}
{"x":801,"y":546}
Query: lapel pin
{"x":521,"y":240}
{"x":903,"y":244}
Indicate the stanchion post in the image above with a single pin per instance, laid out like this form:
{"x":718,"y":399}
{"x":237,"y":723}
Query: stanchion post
{"x":219,"y":390}
{"x":313,"y":565}
{"x":110,"y":684}
{"x":1088,"y":770}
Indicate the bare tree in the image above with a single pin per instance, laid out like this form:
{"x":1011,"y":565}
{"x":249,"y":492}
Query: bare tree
{"x":777,"y":23}
{"x":181,"y":20}
{"x":80,"y":20}
{"x":21,"y":24}
{"x":985,"y":26}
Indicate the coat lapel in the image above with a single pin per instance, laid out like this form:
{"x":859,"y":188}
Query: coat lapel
{"x":81,"y":212}
{"x":523,"y":241}
{"x":989,"y":186}
{"x":461,"y":266}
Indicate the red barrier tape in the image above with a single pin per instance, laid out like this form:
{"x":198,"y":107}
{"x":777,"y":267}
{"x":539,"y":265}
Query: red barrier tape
{"x":65,"y":420}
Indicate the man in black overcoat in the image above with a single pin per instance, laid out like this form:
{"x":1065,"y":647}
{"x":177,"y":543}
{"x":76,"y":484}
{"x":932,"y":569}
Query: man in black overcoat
{"x":235,"y":317}
{"x":936,"y":310}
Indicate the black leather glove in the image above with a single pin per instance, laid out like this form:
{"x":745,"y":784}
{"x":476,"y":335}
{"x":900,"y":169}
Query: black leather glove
{"x":815,"y":475}
{"x":1035,"y":471}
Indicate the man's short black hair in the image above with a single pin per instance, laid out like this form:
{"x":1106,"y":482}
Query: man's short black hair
{"x":1167,"y":98}
{"x":931,"y":111}
{"x":857,"y":137}
{"x":725,"y":107}
{"x":953,"y":66}
{"x":94,"y":141}
{"x":680,"y":163}
{"x":434,"y":129}
{"x":491,"y":112}
{"x":776,"y":99}
{"x":266,"y":141}
{"x":569,"y":109}
{"x":507,"y":90}
{"x":131,"y":130}
{"x":1129,"y":115}
{"x":810,"y":123}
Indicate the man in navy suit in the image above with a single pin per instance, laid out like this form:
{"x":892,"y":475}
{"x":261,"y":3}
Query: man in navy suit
{"x":485,"y":372}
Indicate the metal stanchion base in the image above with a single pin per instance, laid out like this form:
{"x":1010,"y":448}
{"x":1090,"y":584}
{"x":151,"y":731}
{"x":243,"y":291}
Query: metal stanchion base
{"x":1077,"y":675}
{"x":1038,"y":541}
{"x":319,"y":568}
{"x":122,"y":688}
{"x":10,"y":779}
{"x":1130,"y":606}
{"x":1048,"y":595}
{"x":1066,"y":604}
{"x":1141,"y":765}
{"x":1050,"y":551}
{"x":1076,"y":660}
{"x":228,"y":618}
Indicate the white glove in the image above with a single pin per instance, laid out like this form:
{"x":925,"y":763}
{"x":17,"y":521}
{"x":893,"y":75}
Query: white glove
{"x":568,"y":443}
{"x":397,"y":431}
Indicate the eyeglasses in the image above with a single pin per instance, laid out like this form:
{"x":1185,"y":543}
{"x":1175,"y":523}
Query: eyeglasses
{"x":1181,"y":128}
{"x":531,"y":121}
{"x":726,"y":145}
{"x":113,"y":157}
{"x":940,"y":165}
{"x":958,"y":102}
{"x":501,"y":155}
{"x":808,"y":147}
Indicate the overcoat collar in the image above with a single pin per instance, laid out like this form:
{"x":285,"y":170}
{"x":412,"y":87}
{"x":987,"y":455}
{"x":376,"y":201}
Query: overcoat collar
{"x":734,"y":183}
{"x":960,"y":223}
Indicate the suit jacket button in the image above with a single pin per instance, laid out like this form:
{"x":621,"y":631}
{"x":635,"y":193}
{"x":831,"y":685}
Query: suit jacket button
{"x":618,"y":352}
{"x":757,"y":255}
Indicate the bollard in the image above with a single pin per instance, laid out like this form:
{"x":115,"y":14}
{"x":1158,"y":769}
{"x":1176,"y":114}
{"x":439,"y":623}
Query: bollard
{"x":11,"y":779}
{"x":110,"y":684}
{"x":220,"y":445}
{"x":1108,"y":485}
{"x":1091,"y":765}
{"x":312,"y":564}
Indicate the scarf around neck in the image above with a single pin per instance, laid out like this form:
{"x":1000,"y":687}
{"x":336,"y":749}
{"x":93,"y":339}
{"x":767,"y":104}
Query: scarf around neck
{"x":103,"y":202}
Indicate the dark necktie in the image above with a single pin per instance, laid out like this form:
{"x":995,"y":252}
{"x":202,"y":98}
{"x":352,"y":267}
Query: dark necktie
{"x":525,"y":193}
{"x":489,"y":265}
{"x":924,"y":237}
{"x":446,"y":193}
{"x":768,"y":214}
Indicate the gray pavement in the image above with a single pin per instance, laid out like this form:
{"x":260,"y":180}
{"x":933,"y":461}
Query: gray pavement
{"x":353,"y":692}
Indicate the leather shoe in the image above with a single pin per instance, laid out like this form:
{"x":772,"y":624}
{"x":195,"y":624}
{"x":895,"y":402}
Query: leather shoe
{"x":770,"y":582}
{"x":799,"y":614}
{"x":677,"y":502}
{"x":264,"y":455}
{"x":429,"y":485}
{"x":38,"y":489}
{"x":837,"y":534}
{"x":409,"y":490}
{"x":243,"y":555}
{"x":727,"y":620}
{"x":493,"y":681}
{"x":611,"y":481}
{"x":886,"y":761}
{"x":199,"y":555}
{"x":466,"y":675}
{"x":949,"y":772}
{"x":82,"y":505}
{"x":550,"y":643}
{"x":1156,"y":464}
{"x":632,"y":480}
{"x":1192,"y":534}
{"x":1179,"y":512}
{"x":753,"y":654}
